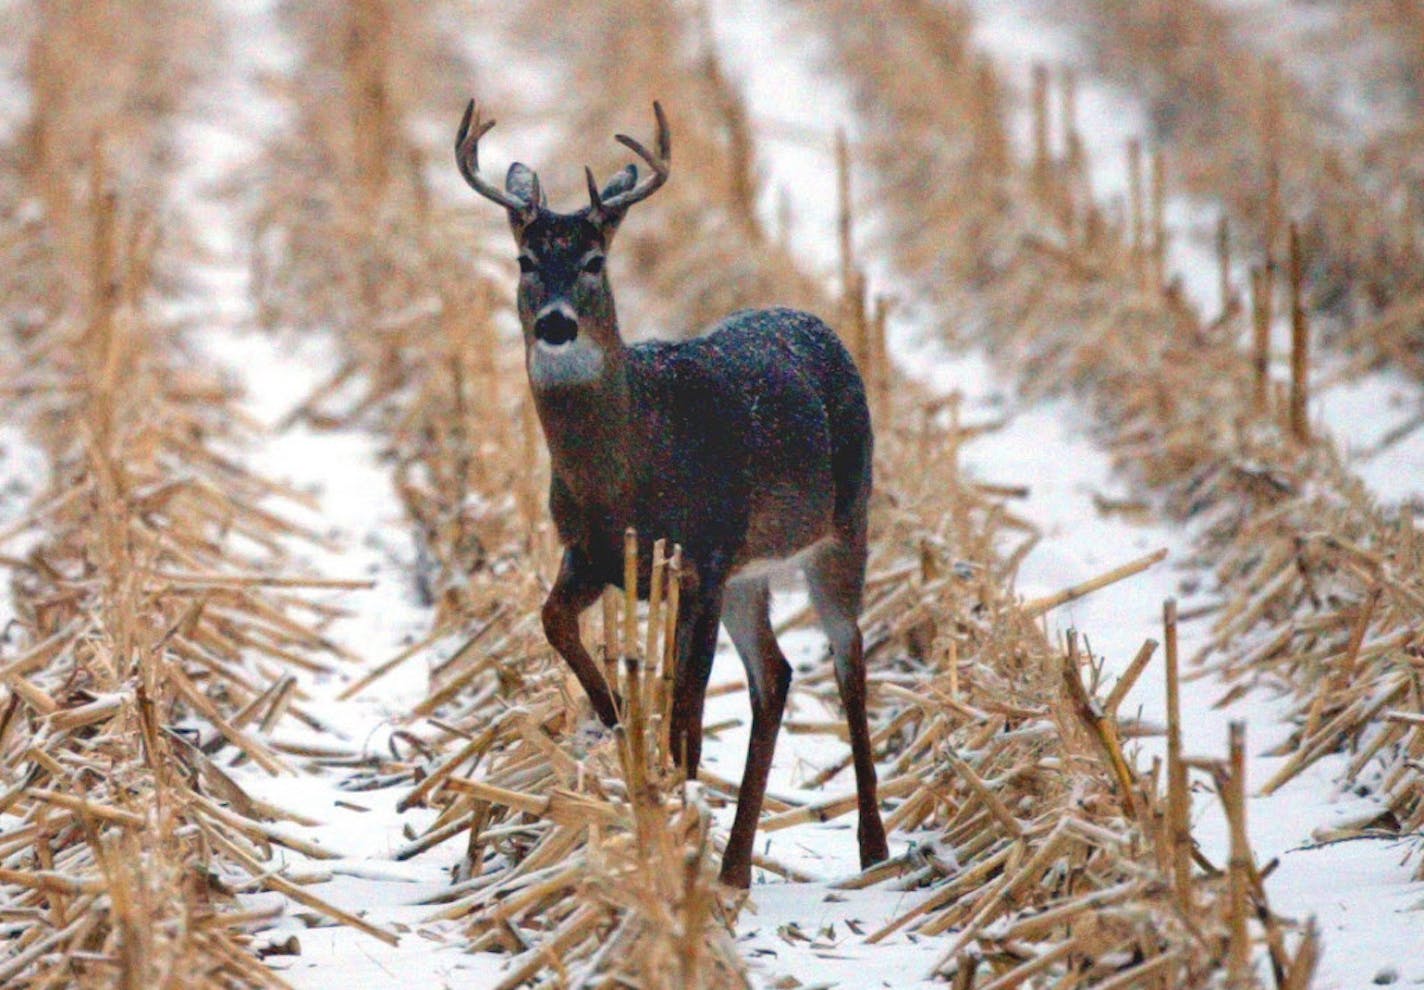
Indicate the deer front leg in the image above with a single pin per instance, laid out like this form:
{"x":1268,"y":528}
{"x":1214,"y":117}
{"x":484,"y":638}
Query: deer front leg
{"x":696,"y":647}
{"x":574,"y":590}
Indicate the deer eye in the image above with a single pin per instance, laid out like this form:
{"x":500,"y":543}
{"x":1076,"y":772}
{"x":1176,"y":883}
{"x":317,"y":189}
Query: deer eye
{"x":526,"y":264}
{"x":593,"y":265}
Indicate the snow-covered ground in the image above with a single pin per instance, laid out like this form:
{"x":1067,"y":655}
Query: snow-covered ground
{"x":24,"y":472}
{"x":1357,"y":890}
{"x":1339,"y":65}
{"x":1377,"y":417}
{"x":353,"y":505}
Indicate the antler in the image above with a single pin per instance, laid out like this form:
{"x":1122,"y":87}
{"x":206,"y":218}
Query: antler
{"x":661,"y":165}
{"x":467,"y":157}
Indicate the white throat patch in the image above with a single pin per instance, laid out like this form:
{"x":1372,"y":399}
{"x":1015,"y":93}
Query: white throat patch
{"x":577,"y":362}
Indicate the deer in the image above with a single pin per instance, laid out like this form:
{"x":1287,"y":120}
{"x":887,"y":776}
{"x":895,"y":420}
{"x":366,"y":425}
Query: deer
{"x":749,"y":445}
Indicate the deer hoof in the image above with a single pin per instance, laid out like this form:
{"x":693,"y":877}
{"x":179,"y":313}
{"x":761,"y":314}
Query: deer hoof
{"x":873,"y":847}
{"x":732,"y":899}
{"x":590,"y":734}
{"x":609,"y":716}
{"x":736,"y":876}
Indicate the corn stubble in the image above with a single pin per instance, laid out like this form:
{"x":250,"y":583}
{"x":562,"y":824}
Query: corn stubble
{"x":1043,"y":828}
{"x":1043,"y":854}
{"x":162,"y":624}
{"x":1334,"y":625}
{"x":1325,"y":595}
{"x":587,"y":864}
{"x":1075,"y":297}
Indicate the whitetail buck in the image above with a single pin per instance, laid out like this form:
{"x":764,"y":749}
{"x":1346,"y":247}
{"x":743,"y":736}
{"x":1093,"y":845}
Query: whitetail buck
{"x":750,"y":446}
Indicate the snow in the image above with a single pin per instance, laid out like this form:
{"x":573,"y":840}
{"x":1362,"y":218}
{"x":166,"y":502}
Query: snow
{"x":24,"y":473}
{"x":1359,"y":410}
{"x":1119,"y":617}
{"x":1047,"y":444}
{"x":1357,"y":890}
{"x":1353,"y":84}
{"x":355,"y":508}
{"x":1378,"y":419}
{"x":15,"y":106}
{"x":1375,"y":417}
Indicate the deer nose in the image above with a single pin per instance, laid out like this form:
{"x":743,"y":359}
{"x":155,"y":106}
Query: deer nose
{"x":555,"y":325}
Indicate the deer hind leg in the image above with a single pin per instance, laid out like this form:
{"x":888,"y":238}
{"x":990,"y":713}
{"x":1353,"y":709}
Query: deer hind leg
{"x":746,"y":614}
{"x":835,"y":577}
{"x":574,"y":590}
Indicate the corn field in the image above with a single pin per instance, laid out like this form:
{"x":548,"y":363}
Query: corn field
{"x":1134,"y":289}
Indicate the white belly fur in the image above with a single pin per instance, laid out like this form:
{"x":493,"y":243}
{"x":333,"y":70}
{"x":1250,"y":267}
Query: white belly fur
{"x":768,"y":567}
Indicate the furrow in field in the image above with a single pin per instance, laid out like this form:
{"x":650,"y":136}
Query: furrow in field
{"x":161,"y":620}
{"x":1269,"y":116}
{"x":934,"y":645}
{"x":1067,"y":305}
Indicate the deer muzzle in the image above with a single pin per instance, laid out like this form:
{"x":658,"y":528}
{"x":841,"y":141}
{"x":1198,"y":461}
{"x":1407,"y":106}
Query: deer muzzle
{"x":561,"y":357}
{"x":556,"y":324}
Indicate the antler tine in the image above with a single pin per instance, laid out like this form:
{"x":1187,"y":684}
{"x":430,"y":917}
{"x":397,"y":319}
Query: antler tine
{"x":664,"y":133}
{"x":661,"y":163}
{"x":594,"y":199}
{"x":467,"y":141}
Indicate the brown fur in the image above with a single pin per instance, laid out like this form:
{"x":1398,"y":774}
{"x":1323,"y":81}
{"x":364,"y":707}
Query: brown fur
{"x":748,"y":446}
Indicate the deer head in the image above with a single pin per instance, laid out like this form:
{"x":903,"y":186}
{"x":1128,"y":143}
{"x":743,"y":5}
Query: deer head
{"x":565,"y":301}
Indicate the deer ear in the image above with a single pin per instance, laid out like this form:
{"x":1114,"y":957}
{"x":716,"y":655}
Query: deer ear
{"x":621,"y":183}
{"x":626,"y":179}
{"x":520,"y":181}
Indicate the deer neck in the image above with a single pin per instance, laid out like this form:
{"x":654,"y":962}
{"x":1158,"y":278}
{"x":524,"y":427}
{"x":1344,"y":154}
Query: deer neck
{"x":590,"y":434}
